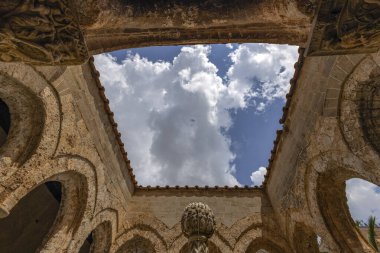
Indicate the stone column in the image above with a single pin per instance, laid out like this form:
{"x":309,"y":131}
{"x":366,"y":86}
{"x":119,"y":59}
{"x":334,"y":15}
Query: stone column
{"x":198,"y":225}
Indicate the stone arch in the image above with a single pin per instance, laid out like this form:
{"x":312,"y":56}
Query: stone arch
{"x":212,"y":248}
{"x":97,"y":235}
{"x":140,"y":232}
{"x":304,"y":239}
{"x":27,"y":119}
{"x":78,"y":196}
{"x":255,"y":239}
{"x":137,"y":244}
{"x":98,"y":240}
{"x":325,"y":179}
{"x":217,"y":242}
{"x":264,"y":244}
{"x":332,"y":202}
{"x":358,"y":117}
{"x":35,"y":111}
{"x":77,"y":172}
{"x":70,"y":210}
{"x":28,"y":224}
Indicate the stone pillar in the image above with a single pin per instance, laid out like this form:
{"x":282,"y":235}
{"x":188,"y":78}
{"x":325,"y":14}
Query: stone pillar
{"x":198,"y":225}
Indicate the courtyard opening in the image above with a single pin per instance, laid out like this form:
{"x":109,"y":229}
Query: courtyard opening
{"x":199,"y":115}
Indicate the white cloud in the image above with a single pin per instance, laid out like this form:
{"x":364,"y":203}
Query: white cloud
{"x":271,"y":66}
{"x":257,"y":177}
{"x":171,"y":113}
{"x":363,"y":199}
{"x":229,"y":46}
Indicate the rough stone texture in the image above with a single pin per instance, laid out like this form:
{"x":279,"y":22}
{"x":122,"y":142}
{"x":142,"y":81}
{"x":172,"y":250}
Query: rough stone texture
{"x":346,"y":27}
{"x":62,"y":130}
{"x":129,"y":24}
{"x":325,"y":146}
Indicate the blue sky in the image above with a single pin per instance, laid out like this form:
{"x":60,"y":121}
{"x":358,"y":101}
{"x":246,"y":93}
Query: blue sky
{"x":252,"y":133}
{"x":252,"y":129}
{"x":206,"y":115}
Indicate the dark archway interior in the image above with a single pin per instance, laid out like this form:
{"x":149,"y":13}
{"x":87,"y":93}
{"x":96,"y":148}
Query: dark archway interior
{"x":5,"y":121}
{"x":261,"y":245}
{"x":86,"y":247}
{"x":137,"y":245}
{"x":332,"y":201}
{"x":99,"y":240}
{"x":29,"y":222}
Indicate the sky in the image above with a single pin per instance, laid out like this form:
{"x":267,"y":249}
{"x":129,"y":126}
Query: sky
{"x":205,"y":114}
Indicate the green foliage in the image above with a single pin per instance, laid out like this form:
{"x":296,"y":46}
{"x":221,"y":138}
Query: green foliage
{"x":371,"y":232}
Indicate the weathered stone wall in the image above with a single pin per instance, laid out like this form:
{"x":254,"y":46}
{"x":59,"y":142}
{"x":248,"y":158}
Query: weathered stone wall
{"x":324,"y":147}
{"x":61,"y":131}
{"x":112,"y":25}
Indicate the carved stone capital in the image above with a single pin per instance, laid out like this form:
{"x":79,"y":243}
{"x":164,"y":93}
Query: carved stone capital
{"x":346,"y":27}
{"x":198,"y":224}
{"x":42,"y":32}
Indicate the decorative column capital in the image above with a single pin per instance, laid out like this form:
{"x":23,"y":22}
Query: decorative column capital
{"x":41,"y":32}
{"x":198,"y":225}
{"x":346,"y":27}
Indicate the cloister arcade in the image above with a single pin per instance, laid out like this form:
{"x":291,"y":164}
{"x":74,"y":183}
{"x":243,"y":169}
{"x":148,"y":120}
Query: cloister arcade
{"x":66,"y":184}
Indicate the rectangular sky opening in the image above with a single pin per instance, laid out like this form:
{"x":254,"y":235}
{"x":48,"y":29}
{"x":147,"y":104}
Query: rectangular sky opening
{"x":198,"y":115}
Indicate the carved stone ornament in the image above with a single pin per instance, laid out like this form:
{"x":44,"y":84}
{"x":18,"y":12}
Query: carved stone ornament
{"x":346,"y":27}
{"x":198,"y":224}
{"x":41,"y":32}
{"x":369,"y":109}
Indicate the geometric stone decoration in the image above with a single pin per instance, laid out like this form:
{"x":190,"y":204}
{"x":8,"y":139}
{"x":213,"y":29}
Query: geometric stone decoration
{"x":369,"y":108}
{"x":198,"y":225}
{"x":346,"y":27}
{"x":41,"y":32}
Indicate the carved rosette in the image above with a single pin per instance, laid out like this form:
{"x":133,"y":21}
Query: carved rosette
{"x":198,"y":225}
{"x":42,"y":32}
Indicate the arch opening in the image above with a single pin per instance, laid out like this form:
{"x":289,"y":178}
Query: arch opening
{"x":26,"y":228}
{"x":137,"y":244}
{"x":206,"y":76}
{"x":363,"y":199}
{"x":99,"y":240}
{"x":5,"y":121}
{"x":262,"y":245}
{"x":333,"y":206}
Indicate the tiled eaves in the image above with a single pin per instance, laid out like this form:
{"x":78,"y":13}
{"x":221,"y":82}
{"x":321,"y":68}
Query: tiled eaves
{"x":110,"y":116}
{"x":196,"y":187}
{"x":278,"y":141}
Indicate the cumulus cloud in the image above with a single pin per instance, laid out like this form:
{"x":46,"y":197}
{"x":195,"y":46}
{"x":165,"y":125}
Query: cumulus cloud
{"x":257,"y":177}
{"x":363,"y":199}
{"x":171,"y":113}
{"x":268,"y":67}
